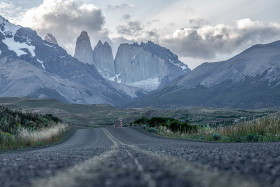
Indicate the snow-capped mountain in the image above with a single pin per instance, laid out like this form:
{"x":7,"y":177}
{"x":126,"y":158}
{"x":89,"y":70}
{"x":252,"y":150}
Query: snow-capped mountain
{"x":30,"y":66}
{"x":248,"y":80}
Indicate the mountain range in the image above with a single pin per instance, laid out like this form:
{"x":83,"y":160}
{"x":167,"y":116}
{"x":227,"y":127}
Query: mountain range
{"x":33,"y":67}
{"x":140,"y":75}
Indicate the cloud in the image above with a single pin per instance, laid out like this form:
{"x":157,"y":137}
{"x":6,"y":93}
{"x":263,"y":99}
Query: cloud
{"x":65,"y":20}
{"x":126,"y":17}
{"x":120,"y":6}
{"x":11,"y":12}
{"x":4,"y":5}
{"x":189,"y":10}
{"x":197,"y":21}
{"x":206,"y":41}
{"x":132,"y":28}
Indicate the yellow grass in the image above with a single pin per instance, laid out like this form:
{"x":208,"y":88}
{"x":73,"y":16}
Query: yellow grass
{"x":45,"y":135}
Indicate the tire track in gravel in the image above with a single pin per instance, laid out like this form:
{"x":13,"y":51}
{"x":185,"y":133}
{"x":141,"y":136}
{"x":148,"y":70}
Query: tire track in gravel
{"x":146,"y":177}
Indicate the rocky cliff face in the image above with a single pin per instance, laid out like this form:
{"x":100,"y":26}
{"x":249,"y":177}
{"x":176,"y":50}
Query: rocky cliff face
{"x":51,"y":39}
{"x":83,"y":50}
{"x":103,"y":60}
{"x":147,"y":65}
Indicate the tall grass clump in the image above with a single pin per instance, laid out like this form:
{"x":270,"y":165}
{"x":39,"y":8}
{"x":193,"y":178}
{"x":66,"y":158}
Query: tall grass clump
{"x":42,"y":136}
{"x":22,"y":129}
{"x":263,"y":129}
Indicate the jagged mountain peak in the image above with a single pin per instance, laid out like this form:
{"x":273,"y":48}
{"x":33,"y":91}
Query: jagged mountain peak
{"x":7,"y":29}
{"x":84,"y":34}
{"x":51,"y":39}
{"x":83,"y":50}
{"x":104,"y":60}
{"x":106,"y":43}
{"x":99,"y":43}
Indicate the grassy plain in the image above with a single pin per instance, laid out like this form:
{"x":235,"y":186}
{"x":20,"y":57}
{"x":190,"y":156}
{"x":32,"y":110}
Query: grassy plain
{"x":95,"y":115}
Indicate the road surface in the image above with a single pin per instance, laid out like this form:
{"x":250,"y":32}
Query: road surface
{"x":132,"y":157}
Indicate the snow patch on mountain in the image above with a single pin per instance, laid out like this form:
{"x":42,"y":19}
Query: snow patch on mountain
{"x":183,"y":67}
{"x":18,"y":47}
{"x":148,"y":84}
{"x":42,"y":63}
{"x":9,"y":31}
{"x":49,"y":45}
{"x":116,"y":78}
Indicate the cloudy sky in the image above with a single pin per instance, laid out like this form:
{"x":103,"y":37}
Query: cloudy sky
{"x":196,"y":30}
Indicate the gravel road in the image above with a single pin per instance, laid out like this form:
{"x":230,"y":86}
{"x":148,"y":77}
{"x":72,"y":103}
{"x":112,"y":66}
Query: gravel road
{"x":132,"y":157}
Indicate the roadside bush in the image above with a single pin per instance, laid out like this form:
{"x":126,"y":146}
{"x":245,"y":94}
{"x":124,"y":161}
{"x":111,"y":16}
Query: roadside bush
{"x":252,"y":137}
{"x":153,"y":130}
{"x":145,"y":126}
{"x":6,"y":138}
{"x":16,"y":127}
{"x":225,"y":139}
{"x":216,"y":136}
{"x":142,"y":120}
{"x":162,"y":134}
{"x":12,"y":120}
{"x":172,"y":124}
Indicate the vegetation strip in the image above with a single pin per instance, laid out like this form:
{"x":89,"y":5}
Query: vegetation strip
{"x":264,"y":129}
{"x":25,"y":129}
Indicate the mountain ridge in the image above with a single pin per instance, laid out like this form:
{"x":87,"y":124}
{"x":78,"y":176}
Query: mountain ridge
{"x":250,"y":79}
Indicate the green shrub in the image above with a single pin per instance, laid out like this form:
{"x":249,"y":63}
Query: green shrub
{"x":172,"y":124}
{"x":6,"y":138}
{"x":225,"y":139}
{"x":153,"y":130}
{"x":142,"y":120}
{"x":12,"y":120}
{"x":162,"y":134}
{"x":252,"y":137}
{"x":216,"y":136}
{"x":145,"y":126}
